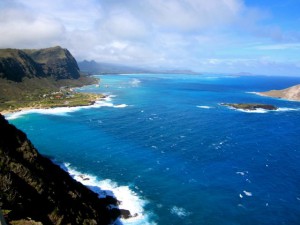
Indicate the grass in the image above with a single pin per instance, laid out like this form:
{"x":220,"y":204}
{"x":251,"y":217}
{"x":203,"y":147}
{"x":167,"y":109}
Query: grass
{"x":77,"y":99}
{"x":44,"y":93}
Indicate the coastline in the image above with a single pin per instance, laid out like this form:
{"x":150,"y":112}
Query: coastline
{"x":291,"y":93}
{"x":64,"y":110}
{"x":84,"y":99}
{"x":275,"y":97}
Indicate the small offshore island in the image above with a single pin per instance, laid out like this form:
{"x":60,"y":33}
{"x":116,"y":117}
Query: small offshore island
{"x":250,"y":106}
{"x":41,"y":78}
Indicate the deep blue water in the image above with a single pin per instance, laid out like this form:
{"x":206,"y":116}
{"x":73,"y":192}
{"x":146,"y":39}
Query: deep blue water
{"x":188,"y":159}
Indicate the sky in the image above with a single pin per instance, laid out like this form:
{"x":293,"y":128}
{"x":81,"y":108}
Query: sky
{"x":216,"y":36}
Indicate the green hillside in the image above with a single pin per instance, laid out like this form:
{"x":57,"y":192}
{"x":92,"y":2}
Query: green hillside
{"x":28,"y":78}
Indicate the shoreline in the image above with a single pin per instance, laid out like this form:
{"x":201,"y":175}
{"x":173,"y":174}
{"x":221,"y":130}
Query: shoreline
{"x":64,"y":110}
{"x":81,"y":100}
{"x":29,"y":108}
{"x":275,"y":97}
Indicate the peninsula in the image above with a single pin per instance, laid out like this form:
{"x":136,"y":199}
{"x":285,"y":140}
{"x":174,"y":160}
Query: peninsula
{"x":291,"y":93}
{"x":41,"y":78}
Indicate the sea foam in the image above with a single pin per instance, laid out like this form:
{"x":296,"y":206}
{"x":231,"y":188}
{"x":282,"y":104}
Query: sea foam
{"x":179,"y":211}
{"x":135,"y":82}
{"x":203,"y":106}
{"x":283,"y":109}
{"x":129,"y":199}
{"x":253,"y":111}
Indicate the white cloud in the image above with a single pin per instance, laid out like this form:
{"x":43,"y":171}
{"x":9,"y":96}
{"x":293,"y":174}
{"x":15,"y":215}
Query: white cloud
{"x":191,"y":15}
{"x":21,"y":29}
{"x":171,"y":33}
{"x":122,"y":24}
{"x":285,"y":46}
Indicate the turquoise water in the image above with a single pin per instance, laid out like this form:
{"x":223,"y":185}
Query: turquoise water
{"x":165,"y":145}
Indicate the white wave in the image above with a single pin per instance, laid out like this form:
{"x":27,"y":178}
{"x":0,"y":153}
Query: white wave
{"x":254,"y":111}
{"x":120,"y":106}
{"x":281,"y":109}
{"x":135,"y":82}
{"x":285,"y":109}
{"x":129,"y":199}
{"x":64,"y":111}
{"x":203,"y":107}
{"x":242,"y":173}
{"x":247,"y":193}
{"x":180,"y":212}
{"x":109,"y":98}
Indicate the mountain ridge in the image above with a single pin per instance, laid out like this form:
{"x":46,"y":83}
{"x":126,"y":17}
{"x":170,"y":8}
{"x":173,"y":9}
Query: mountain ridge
{"x":55,"y":62}
{"x":93,"y":67}
{"x":26,"y":75}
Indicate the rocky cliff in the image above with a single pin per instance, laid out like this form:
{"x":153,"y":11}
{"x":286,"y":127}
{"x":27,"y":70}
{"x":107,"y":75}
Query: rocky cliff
{"x":56,"y":62}
{"x":36,"y":191}
{"x":291,"y":93}
{"x":27,"y":74}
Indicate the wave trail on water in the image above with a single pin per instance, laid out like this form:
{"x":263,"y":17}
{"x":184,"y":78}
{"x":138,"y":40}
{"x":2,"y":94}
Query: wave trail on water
{"x":203,"y":107}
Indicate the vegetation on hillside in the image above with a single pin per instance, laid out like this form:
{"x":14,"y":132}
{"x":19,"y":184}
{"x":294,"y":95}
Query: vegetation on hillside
{"x":29,"y":76}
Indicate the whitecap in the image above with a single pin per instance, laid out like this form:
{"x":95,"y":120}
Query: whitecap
{"x":242,"y":172}
{"x":258,"y":110}
{"x":129,"y":199}
{"x":203,"y":107}
{"x":179,"y":211}
{"x":135,"y":82}
{"x":120,"y":106}
{"x":285,"y":109}
{"x":247,"y":193}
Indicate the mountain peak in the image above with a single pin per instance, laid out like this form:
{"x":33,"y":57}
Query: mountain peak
{"x":56,"y":62}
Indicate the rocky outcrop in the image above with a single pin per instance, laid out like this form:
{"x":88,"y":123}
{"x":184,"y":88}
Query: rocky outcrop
{"x":250,"y":106}
{"x":291,"y":93}
{"x":34,"y":189}
{"x":56,"y":62}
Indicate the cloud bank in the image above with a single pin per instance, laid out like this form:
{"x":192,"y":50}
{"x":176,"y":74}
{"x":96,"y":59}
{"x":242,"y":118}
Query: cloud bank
{"x":202,"y":35}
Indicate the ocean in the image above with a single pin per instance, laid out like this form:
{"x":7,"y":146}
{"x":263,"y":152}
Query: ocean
{"x":165,"y":147}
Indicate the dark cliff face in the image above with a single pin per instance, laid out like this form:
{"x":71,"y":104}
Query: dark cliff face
{"x":16,"y":64}
{"x":31,"y":186}
{"x":55,"y":62}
